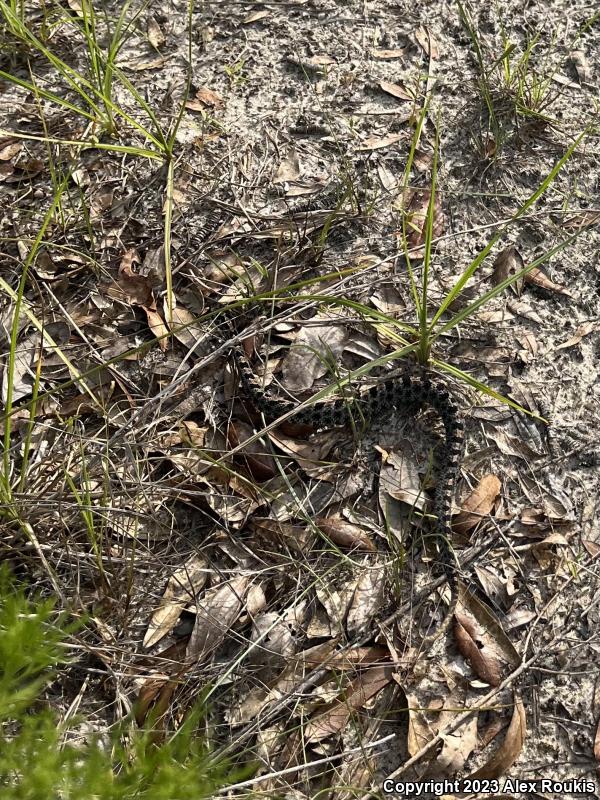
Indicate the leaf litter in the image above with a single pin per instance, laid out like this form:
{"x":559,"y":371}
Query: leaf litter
{"x":306,"y":535}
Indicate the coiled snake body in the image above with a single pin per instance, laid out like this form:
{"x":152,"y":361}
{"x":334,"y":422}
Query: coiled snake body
{"x":402,"y":396}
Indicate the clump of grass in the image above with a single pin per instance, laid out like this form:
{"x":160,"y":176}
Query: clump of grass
{"x":93,"y":89}
{"x":515,"y":86}
{"x":37,"y":756}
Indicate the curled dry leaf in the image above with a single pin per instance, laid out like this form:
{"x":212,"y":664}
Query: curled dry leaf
{"x":158,"y":327}
{"x":513,"y":446}
{"x":427,"y":43}
{"x":215,"y":614}
{"x":581,"y":64}
{"x":477,"y":505}
{"x":141,"y":66}
{"x":182,"y":589}
{"x":582,"y":330}
{"x":335,"y":717}
{"x":136,"y":288}
{"x":508,"y":262}
{"x":509,"y":750}
{"x":482,"y":641}
{"x":185,"y":328}
{"x":336,"y":602}
{"x":308,"y":455}
{"x":24,"y":369}
{"x":155,"y":694}
{"x":536,"y":277}
{"x":345,"y":534}
{"x":233,"y":498}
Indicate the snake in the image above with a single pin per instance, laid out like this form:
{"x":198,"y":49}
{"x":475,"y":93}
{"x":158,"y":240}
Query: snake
{"x":402,"y":396}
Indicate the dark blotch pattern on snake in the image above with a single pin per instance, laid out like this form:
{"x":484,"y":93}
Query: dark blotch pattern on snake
{"x":402,"y":396}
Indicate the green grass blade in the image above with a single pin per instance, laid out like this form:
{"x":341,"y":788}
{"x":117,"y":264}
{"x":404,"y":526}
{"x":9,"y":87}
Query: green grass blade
{"x":481,"y":301}
{"x":464,"y":377}
{"x":472,"y":268}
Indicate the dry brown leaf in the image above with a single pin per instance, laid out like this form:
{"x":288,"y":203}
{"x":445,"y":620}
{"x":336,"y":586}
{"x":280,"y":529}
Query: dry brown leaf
{"x":536,"y":277}
{"x":477,"y":505}
{"x":482,"y":641}
{"x":414,"y":203}
{"x":9,"y":148}
{"x":205,"y":97}
{"x":427,"y":43}
{"x":563,"y":80}
{"x":155,"y":695}
{"x":345,"y":534}
{"x":316,"y":62}
{"x":501,"y":315}
{"x":579,"y":60}
{"x":230,"y":495}
{"x":335,"y":602}
{"x":158,"y":327}
{"x":288,"y":169}
{"x":316,"y":347}
{"x":396,"y":90}
{"x":255,"y":16}
{"x":378,"y":142}
{"x":24,"y":370}
{"x":136,"y":288}
{"x":508,"y":262}
{"x":367,"y":599}
{"x":215,"y":614}
{"x":509,"y":750}
{"x":399,"y":476}
{"x":336,"y":716}
{"x":387,"y":54}
{"x":308,"y":455}
{"x":582,"y":330}
{"x":31,"y":166}
{"x":523,"y":308}
{"x":358,"y":657}
{"x":182,"y":589}
{"x":273,"y":531}
{"x":257,"y":458}
{"x":512,"y":446}
{"x":185,"y":327}
{"x":155,"y":35}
